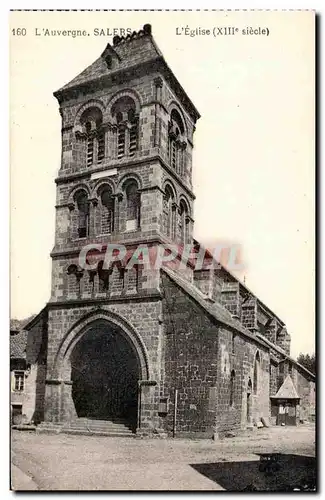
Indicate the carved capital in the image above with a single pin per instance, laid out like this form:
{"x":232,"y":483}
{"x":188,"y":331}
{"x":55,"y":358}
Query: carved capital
{"x":94,"y":201}
{"x":80,"y":135}
{"x":118,"y":196}
{"x":71,"y":206}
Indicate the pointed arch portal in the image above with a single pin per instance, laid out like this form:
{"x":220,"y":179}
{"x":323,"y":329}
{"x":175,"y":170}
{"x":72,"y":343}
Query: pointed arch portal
{"x":104,"y":374}
{"x":101,"y":361}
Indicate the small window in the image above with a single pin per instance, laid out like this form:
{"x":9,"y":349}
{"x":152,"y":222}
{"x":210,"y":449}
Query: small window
{"x":83,"y":214}
{"x":127,"y":121}
{"x":101,"y":147}
{"x":133,"y":206}
{"x":19,"y":379}
{"x":183,"y":223}
{"x":121,"y":143}
{"x":107,"y":211}
{"x":90,"y":151}
{"x":91,"y":121}
{"x":176,"y":128}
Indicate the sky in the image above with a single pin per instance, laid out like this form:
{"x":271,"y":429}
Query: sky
{"x":253,"y":164}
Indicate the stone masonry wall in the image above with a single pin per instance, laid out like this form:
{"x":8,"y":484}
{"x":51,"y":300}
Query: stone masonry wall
{"x":200,"y":359}
{"x":237,"y":356}
{"x":190,"y":355}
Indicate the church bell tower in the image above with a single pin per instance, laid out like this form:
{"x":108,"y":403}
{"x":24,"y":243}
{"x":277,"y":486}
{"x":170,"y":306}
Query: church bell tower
{"x":126,"y":169}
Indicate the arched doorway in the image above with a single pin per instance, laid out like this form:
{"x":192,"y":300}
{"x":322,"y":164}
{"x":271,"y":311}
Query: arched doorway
{"x":105,"y":371}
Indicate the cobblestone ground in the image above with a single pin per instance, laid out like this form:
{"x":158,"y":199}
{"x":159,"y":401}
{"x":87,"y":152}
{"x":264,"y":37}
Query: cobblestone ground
{"x":62,"y":462}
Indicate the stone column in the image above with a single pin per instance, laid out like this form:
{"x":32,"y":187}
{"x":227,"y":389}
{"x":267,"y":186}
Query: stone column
{"x":95,"y":153}
{"x":108,"y":145}
{"x":118,"y":197}
{"x":113,"y":149}
{"x":174,"y":221}
{"x":158,"y":94}
{"x":93,"y":203}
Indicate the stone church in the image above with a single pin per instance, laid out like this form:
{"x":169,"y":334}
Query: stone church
{"x":135,"y":350}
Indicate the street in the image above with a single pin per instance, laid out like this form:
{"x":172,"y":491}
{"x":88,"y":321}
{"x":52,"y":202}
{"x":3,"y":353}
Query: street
{"x":65,"y":462}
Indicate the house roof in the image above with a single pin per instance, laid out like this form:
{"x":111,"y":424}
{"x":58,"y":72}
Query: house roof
{"x":214,"y":309}
{"x":18,"y":344}
{"x":19,"y":334}
{"x":287,"y":390}
{"x":18,"y":324}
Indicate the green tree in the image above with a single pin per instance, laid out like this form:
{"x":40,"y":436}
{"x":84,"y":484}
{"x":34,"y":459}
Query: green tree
{"x":308,"y":361}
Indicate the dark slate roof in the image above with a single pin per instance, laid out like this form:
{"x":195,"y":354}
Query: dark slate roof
{"x":214,"y":309}
{"x":127,"y":53}
{"x":142,"y":49}
{"x":18,"y":344}
{"x":287,"y":390}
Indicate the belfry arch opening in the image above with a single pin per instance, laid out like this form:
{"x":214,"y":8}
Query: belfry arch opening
{"x":105,"y":371}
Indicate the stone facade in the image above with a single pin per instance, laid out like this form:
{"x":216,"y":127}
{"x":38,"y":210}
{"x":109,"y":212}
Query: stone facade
{"x":206,"y":353}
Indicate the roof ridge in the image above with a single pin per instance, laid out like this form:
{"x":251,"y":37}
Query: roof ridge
{"x":282,"y":351}
{"x":215,"y":309}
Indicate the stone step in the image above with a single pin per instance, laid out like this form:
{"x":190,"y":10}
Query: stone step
{"x":88,"y":427}
{"x":98,"y":424}
{"x":95,"y":427}
{"x":83,"y":432}
{"x":98,"y":427}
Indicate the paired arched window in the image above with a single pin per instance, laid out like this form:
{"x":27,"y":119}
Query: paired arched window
{"x":132,"y":205}
{"x":106,"y":210}
{"x":127,"y":122}
{"x":92,"y":123}
{"x":96,"y":216}
{"x":232,"y":388}
{"x":168,"y":212}
{"x":82,"y":203}
{"x":176,"y":142}
{"x":256,"y":373}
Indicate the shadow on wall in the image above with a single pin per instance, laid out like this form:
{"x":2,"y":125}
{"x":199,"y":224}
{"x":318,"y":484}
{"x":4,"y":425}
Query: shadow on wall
{"x":273,"y":472}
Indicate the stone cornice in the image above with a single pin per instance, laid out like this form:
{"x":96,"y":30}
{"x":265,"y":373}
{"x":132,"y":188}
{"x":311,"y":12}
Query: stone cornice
{"x":138,"y":297}
{"x":127,"y":164}
{"x":79,"y":244}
